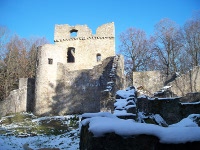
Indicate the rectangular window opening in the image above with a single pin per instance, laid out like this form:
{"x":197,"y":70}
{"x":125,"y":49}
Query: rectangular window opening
{"x":50,"y":61}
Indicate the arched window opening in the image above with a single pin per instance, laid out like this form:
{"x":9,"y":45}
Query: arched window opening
{"x":98,"y":57}
{"x":71,"y":55}
{"x":73,"y":33}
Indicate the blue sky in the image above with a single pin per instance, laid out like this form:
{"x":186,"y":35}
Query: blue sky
{"x":29,"y":18}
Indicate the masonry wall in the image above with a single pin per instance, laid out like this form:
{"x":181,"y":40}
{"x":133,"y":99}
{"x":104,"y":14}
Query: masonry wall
{"x":112,"y":141}
{"x":46,"y":74}
{"x":54,"y":69}
{"x":151,"y":81}
{"x":114,"y":80}
{"x":168,"y":108}
{"x":79,"y":91}
{"x":187,"y":83}
{"x":189,"y":108}
{"x":20,"y":100}
{"x":86,"y":45}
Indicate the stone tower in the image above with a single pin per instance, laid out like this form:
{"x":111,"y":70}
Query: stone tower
{"x":75,"y":49}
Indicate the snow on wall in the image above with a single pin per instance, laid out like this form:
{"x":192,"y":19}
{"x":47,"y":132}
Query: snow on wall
{"x":185,"y":131}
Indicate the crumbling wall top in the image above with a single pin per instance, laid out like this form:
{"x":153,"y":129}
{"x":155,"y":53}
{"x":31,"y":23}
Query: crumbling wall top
{"x":64,"y":31}
{"x":106,"y":30}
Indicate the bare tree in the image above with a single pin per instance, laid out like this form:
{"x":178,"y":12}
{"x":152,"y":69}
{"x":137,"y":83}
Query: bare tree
{"x":4,"y":38}
{"x":192,"y":37}
{"x":168,"y":45}
{"x":19,"y":62}
{"x":135,"y":48}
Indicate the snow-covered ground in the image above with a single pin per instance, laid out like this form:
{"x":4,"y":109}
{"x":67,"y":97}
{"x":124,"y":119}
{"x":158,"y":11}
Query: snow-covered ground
{"x":187,"y":130}
{"x":11,"y":137}
{"x":67,"y":141}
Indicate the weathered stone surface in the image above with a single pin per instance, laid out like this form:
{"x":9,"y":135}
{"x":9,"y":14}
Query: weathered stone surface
{"x":81,"y":91}
{"x":111,"y":141}
{"x":19,"y":100}
{"x":187,"y":83}
{"x":152,"y":81}
{"x":79,"y":71}
{"x":191,"y":97}
{"x":189,"y":108}
{"x":76,"y":74}
{"x":169,"y":108}
{"x":131,"y":109}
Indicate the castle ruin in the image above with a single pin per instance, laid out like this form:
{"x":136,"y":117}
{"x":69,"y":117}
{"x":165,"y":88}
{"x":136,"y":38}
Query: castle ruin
{"x":81,"y":73}
{"x":69,"y":74}
{"x":78,"y":73}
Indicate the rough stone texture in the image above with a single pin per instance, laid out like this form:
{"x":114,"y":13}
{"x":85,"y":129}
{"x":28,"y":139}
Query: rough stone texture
{"x":61,"y":83}
{"x":187,"y":83}
{"x":83,"y":80}
{"x":150,"y":81}
{"x":112,"y":141}
{"x":62,"y":32}
{"x":189,"y":108}
{"x":114,"y":75}
{"x":86,"y":45}
{"x":79,"y":91}
{"x":169,"y":109}
{"x":19,"y":100}
{"x":191,"y":97}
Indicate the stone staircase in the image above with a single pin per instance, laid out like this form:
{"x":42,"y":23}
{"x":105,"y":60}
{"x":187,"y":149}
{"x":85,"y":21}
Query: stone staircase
{"x":125,"y":103}
{"x":113,"y":74}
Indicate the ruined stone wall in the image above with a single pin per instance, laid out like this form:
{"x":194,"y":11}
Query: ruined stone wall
{"x":150,"y":81}
{"x":114,"y":75}
{"x":168,"y":108}
{"x":46,"y":74}
{"x":113,"y":141}
{"x":62,"y":32}
{"x":153,"y":81}
{"x":189,"y":108}
{"x":187,"y":83}
{"x":86,"y":45}
{"x":19,"y":100}
{"x":51,"y":56}
{"x":191,"y":97}
{"x":77,"y":91}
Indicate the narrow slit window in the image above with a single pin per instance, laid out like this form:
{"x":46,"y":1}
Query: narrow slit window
{"x":50,"y":61}
{"x":98,"y":57}
{"x":73,"y":33}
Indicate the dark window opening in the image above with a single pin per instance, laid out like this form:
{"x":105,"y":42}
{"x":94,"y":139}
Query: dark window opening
{"x":50,"y":61}
{"x":71,"y":55}
{"x":98,"y":57}
{"x":37,"y":62}
{"x":73,"y":33}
